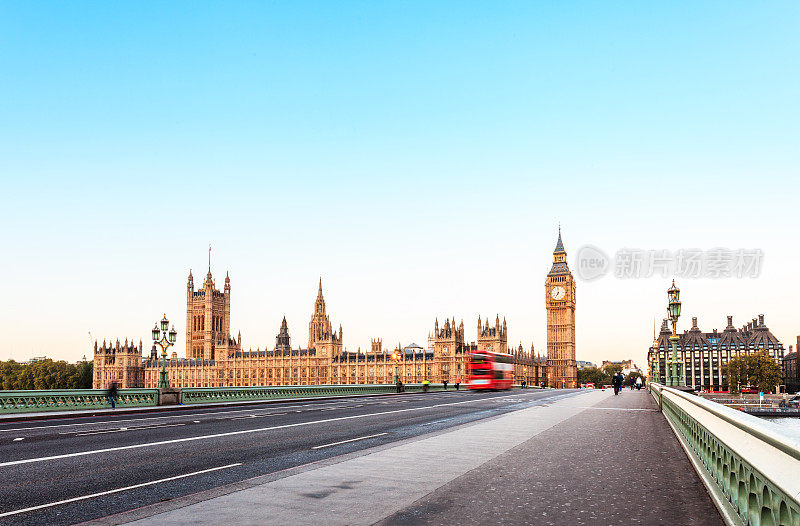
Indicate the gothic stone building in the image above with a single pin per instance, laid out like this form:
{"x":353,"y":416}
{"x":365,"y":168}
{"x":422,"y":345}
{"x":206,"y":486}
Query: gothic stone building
{"x":560,"y":302}
{"x":705,"y":354}
{"x":216,"y":359}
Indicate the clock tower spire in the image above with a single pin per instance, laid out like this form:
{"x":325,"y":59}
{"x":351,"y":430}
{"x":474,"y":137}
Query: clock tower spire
{"x":560,"y":304}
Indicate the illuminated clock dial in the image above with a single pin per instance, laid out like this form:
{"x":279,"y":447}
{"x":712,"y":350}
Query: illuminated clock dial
{"x":558,"y":293}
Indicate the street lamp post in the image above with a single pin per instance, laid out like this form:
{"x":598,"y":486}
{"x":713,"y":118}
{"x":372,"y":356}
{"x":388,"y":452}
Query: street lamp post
{"x":164,"y":339}
{"x":396,"y":359}
{"x":675,"y":378}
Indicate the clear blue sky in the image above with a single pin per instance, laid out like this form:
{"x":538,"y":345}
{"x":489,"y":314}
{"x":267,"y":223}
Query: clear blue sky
{"x":418,"y":156}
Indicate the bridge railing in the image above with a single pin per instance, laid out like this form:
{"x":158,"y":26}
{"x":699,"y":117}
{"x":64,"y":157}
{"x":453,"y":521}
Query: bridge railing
{"x":72,"y":399}
{"x":750,"y":466}
{"x":204,"y":395}
{"x":77,"y":399}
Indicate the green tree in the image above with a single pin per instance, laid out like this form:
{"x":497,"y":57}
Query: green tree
{"x":45,"y":374}
{"x":593,"y":375}
{"x":753,"y":370}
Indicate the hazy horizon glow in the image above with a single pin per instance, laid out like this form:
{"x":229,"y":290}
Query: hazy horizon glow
{"x":418,"y":157}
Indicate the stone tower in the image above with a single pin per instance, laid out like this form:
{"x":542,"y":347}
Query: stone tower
{"x":208,"y":317}
{"x":448,"y":352}
{"x":449,"y":339}
{"x":494,"y":339}
{"x":560,"y":303}
{"x":321,"y":335}
{"x":118,"y":363}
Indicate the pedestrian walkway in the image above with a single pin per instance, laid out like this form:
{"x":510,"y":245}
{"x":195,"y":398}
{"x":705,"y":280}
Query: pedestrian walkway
{"x":617,"y":462}
{"x":592,"y":458}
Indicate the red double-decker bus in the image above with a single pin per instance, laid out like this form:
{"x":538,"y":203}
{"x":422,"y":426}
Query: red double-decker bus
{"x":490,"y":370}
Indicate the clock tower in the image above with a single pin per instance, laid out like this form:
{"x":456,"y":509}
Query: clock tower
{"x":559,"y":288}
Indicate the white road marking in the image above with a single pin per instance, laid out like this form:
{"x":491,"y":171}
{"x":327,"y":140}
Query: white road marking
{"x":351,"y":440}
{"x":18,"y":439}
{"x":117,"y":430}
{"x":109,"y":492}
{"x":242,"y":432}
{"x":210,"y":413}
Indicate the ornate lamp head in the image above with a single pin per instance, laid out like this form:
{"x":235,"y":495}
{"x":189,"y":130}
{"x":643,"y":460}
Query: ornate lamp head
{"x":173,"y":334}
{"x":164,"y":323}
{"x":156,"y":333}
{"x":674,"y":308}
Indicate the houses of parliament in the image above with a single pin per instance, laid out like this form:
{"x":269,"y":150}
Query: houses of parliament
{"x":215,"y":358}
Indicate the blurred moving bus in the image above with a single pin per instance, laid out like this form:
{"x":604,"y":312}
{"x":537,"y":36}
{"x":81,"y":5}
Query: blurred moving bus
{"x":490,"y":370}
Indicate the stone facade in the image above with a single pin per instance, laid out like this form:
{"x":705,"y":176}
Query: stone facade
{"x":118,"y":363}
{"x":560,"y":303}
{"x":791,"y":371}
{"x":216,"y":359}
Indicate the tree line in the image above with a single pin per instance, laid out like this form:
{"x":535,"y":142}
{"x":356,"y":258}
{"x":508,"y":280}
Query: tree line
{"x":45,"y":374}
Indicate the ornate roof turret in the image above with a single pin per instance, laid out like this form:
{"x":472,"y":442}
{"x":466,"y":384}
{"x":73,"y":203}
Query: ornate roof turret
{"x":695,"y":337}
{"x":761,"y":337}
{"x":560,"y":266}
{"x":282,"y":340}
{"x":559,"y":244}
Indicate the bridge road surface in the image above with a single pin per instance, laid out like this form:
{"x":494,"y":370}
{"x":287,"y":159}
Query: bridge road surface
{"x":77,"y":464}
{"x":518,"y":457}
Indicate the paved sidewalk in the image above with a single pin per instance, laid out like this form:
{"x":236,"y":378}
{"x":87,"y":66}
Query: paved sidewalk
{"x":591,"y":458}
{"x":617,"y":462}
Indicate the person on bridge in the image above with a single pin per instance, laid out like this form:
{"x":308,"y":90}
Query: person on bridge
{"x":458,"y":383}
{"x":444,"y":382}
{"x":112,"y":395}
{"x":616,"y":382}
{"x":638,"y":383}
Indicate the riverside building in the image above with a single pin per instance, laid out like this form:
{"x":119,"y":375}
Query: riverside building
{"x":705,"y":354}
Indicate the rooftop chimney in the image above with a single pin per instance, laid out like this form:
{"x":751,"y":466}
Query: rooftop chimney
{"x":760,"y":320}
{"x":694,"y":322}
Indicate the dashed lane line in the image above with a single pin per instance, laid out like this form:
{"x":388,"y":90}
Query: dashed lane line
{"x":351,"y":440}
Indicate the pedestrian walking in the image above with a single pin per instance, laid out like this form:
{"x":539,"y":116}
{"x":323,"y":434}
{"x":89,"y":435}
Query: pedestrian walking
{"x":458,"y":383}
{"x":638,"y":383}
{"x":444,"y":382}
{"x":617,"y":383}
{"x":112,"y":395}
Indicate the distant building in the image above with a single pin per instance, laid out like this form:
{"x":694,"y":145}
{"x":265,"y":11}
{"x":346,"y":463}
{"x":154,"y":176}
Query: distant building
{"x":582,"y":364}
{"x":627,"y":366}
{"x":705,"y":354}
{"x":216,"y":359}
{"x":37,"y":359}
{"x":791,"y":369}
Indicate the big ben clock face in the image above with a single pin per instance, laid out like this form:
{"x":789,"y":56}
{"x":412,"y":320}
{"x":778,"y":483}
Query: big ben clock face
{"x":558,"y":293}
